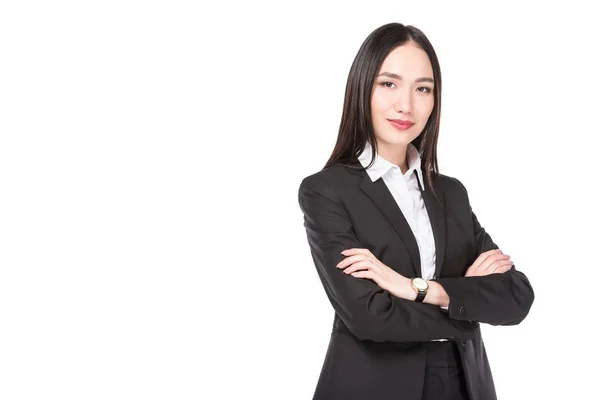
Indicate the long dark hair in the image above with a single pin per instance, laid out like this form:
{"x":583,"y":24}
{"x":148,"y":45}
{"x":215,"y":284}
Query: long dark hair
{"x":356,"y":126}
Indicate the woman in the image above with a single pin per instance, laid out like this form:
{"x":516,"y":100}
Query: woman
{"x":406,"y":265}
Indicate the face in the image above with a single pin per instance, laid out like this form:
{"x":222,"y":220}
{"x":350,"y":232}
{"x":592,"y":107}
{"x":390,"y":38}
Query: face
{"x":403,"y":91}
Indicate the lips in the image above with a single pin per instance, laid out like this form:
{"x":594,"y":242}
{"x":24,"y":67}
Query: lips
{"x":401,"y":124}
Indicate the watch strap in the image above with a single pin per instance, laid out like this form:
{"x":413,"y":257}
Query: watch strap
{"x":420,"y":296}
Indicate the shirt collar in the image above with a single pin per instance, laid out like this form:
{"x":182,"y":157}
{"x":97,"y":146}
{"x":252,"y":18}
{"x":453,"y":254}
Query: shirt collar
{"x":381,"y":166}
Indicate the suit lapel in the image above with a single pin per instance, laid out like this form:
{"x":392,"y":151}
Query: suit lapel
{"x":437,"y":217}
{"x":381,"y":196}
{"x":379,"y":193}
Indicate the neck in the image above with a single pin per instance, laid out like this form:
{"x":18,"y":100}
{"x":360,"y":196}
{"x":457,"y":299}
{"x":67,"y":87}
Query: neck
{"x":396,"y":154}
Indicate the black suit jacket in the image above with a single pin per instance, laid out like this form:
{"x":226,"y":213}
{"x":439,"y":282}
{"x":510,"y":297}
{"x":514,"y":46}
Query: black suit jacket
{"x":375,"y":348}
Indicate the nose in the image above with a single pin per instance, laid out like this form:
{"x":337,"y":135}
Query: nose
{"x":403,"y":102}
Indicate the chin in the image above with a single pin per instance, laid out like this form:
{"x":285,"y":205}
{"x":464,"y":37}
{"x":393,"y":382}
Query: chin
{"x":398,"y":138}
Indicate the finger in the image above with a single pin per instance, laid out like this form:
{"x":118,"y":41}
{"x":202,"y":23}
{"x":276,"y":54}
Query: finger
{"x":361,"y":265}
{"x":503,"y":268}
{"x":364,"y":274}
{"x":350,"y":260}
{"x":483,"y":256}
{"x":491,"y":262}
{"x":356,"y":251}
{"x":507,"y":268}
{"x":499,"y":266}
{"x":489,"y":269}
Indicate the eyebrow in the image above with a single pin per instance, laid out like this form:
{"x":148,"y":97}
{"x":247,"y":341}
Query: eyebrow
{"x":398,"y":77}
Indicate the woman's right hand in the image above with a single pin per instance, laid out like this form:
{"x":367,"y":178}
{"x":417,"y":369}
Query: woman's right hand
{"x":490,"y":262}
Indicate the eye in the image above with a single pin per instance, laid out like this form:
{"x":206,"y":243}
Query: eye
{"x":385,"y":84}
{"x":427,"y":89}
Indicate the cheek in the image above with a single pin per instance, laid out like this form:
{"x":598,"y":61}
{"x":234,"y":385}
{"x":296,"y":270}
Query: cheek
{"x":426,"y":108}
{"x":378,"y":103}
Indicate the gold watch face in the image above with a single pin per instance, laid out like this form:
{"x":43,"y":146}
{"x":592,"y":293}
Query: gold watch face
{"x":420,"y":284}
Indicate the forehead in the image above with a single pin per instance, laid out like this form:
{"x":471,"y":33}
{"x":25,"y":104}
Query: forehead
{"x":408,"y":60}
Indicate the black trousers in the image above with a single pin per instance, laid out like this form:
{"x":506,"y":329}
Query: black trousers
{"x":444,"y":378}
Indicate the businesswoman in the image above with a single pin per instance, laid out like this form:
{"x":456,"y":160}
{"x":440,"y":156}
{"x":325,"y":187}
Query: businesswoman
{"x":406,"y":265}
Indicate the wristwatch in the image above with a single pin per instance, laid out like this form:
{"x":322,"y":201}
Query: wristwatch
{"x":420,"y":285}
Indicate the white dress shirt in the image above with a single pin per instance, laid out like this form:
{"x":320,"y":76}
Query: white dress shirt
{"x":405,"y":190}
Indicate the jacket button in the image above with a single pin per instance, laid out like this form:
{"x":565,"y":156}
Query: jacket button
{"x":463,"y":343}
{"x":462,"y":310}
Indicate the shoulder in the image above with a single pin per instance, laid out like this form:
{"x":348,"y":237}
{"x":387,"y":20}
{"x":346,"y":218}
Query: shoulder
{"x":452,"y":184}
{"x":455,"y":193}
{"x":333,"y":179}
{"x":320,"y":193}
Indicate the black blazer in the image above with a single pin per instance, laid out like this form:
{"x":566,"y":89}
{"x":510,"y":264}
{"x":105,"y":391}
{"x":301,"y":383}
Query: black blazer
{"x":374,"y":351}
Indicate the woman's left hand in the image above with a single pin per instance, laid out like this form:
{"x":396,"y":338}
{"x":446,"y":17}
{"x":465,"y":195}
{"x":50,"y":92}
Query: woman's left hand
{"x":361,"y":263}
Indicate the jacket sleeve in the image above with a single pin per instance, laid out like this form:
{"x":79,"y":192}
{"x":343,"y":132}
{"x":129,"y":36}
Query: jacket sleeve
{"x":496,"y":299}
{"x":369,"y":312}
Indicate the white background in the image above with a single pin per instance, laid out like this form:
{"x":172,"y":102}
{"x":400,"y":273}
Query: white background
{"x":151,"y":243}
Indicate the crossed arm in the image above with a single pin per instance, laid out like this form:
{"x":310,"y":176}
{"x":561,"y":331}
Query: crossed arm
{"x":373,"y":313}
{"x":496,"y":299}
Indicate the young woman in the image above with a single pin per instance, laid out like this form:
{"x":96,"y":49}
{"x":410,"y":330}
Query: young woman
{"x":405,"y":263}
